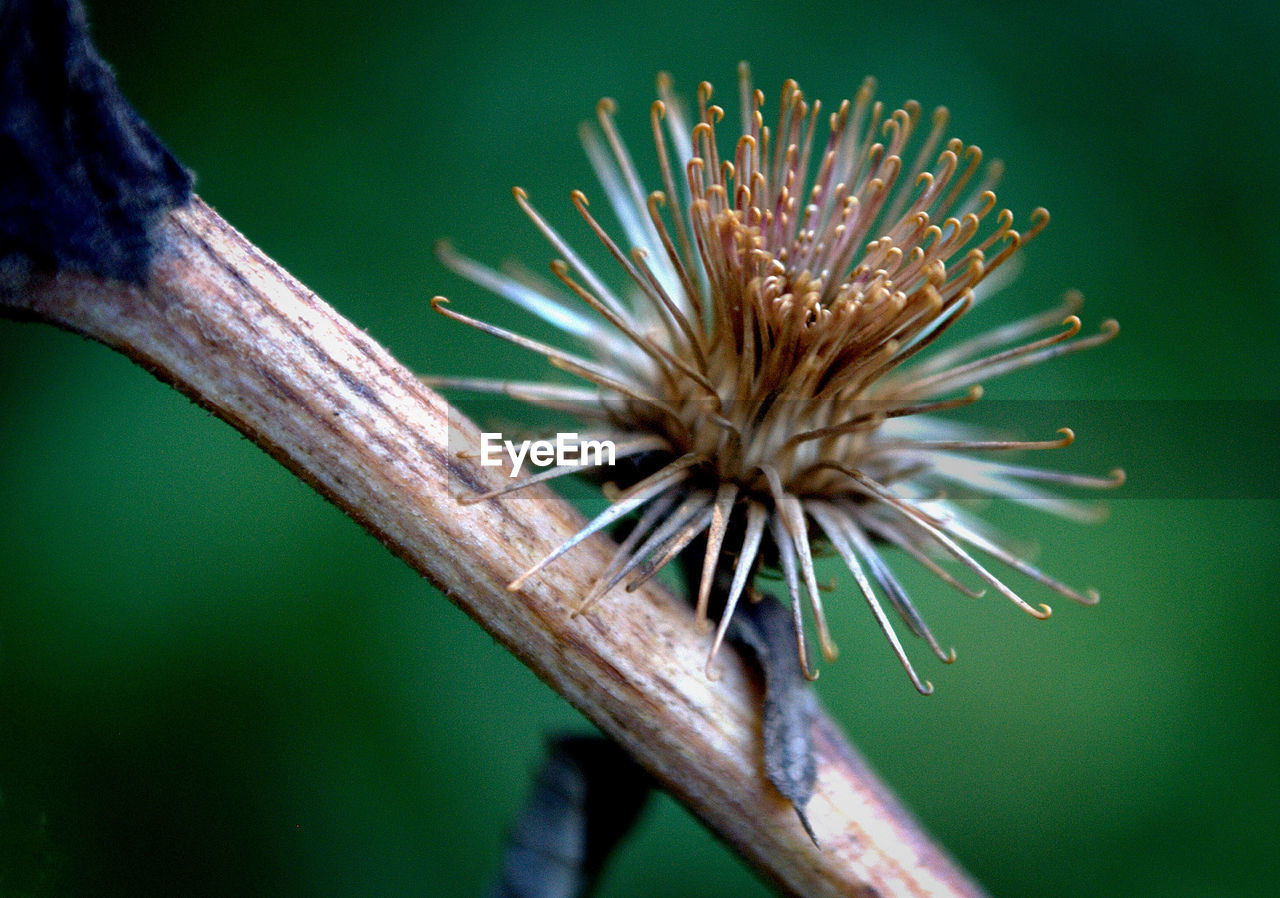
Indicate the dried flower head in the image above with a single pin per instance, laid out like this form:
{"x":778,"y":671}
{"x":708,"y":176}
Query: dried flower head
{"x":764,"y":362}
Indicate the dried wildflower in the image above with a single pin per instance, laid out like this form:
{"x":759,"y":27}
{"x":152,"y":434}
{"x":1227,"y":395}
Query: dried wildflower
{"x":763,"y":363}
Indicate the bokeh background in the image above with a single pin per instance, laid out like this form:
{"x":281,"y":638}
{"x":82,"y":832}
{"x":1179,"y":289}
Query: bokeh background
{"x":211,"y":682}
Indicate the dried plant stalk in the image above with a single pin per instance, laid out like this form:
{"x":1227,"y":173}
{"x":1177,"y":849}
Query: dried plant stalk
{"x":231,"y":329}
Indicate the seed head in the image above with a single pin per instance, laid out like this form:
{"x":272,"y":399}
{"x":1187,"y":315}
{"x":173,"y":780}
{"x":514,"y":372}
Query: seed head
{"x":764,"y":364}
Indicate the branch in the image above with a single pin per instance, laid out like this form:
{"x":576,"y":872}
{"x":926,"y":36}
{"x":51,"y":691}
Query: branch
{"x":99,"y":235}
{"x":228,"y":327}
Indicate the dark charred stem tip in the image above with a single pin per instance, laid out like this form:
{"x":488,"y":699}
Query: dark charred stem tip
{"x":82,"y":177}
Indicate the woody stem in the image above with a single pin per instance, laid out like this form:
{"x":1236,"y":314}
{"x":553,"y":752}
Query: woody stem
{"x":224,"y":324}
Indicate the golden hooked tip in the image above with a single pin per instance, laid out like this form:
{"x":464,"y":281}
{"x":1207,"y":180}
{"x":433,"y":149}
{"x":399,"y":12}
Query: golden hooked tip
{"x":579,"y":197}
{"x":1043,"y":614}
{"x":898,"y":120}
{"x":986,"y":200}
{"x":606,"y":106}
{"x":1068,"y":437}
{"x":1118,"y":477}
{"x":658,"y":108}
{"x":520,"y":194}
{"x":437,"y":302}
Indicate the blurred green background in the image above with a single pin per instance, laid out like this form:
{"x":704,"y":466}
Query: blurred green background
{"x":211,"y":682}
